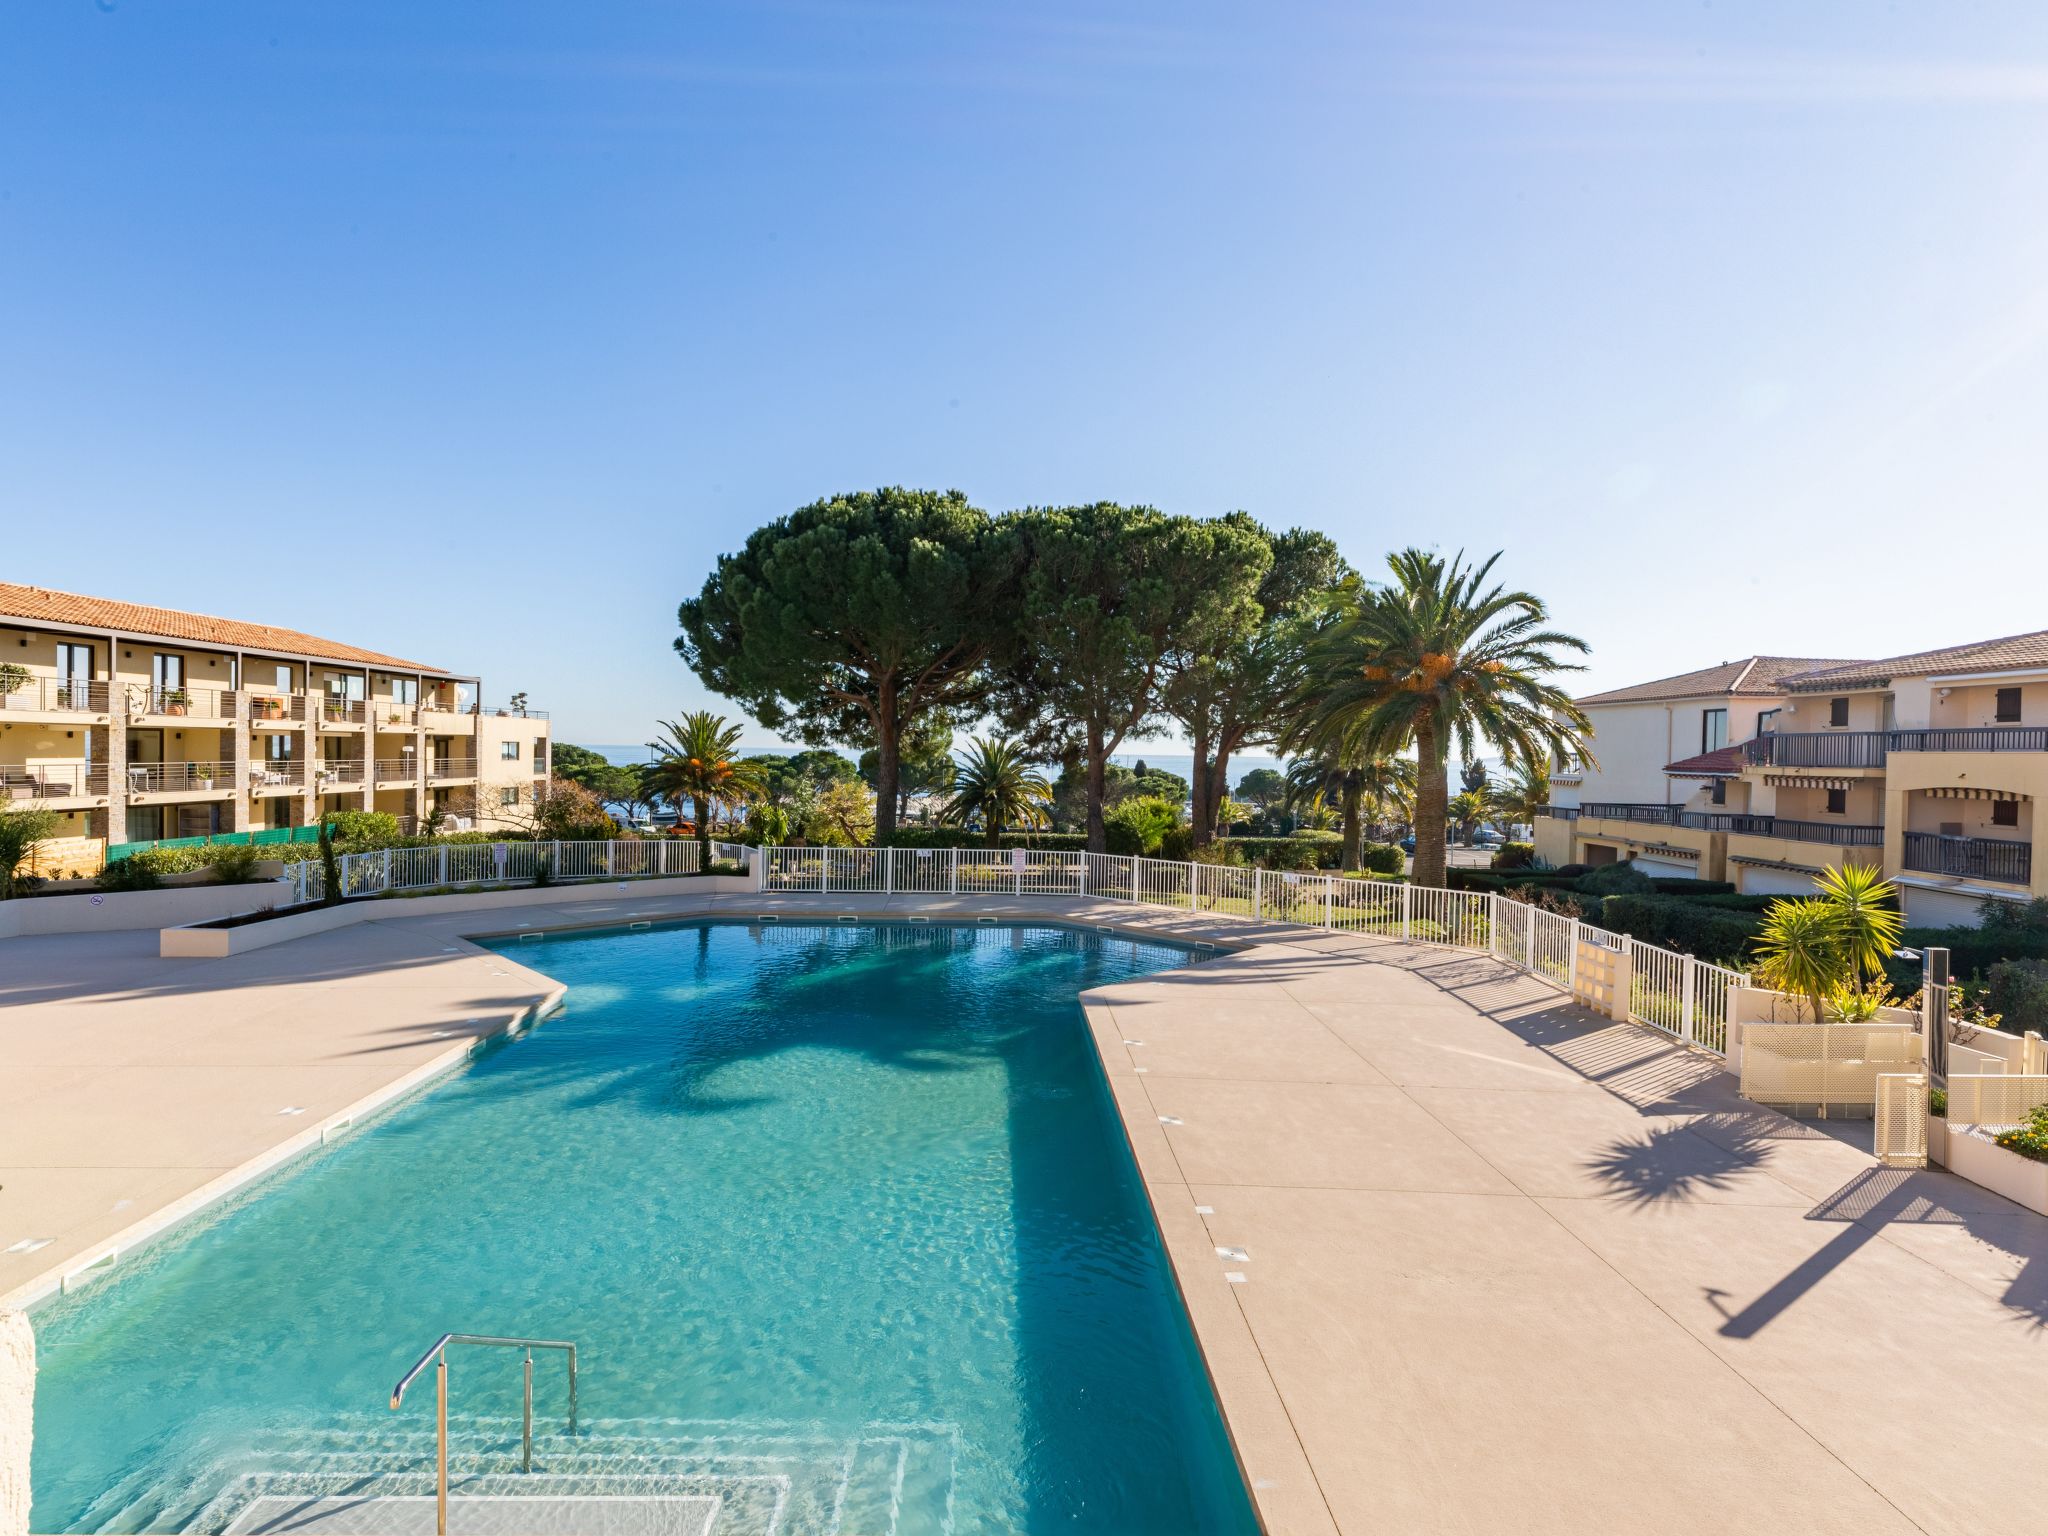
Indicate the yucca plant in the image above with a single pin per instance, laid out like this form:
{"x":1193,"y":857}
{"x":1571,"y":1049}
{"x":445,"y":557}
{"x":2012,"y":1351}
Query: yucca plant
{"x":1800,"y":951}
{"x":1830,"y":948}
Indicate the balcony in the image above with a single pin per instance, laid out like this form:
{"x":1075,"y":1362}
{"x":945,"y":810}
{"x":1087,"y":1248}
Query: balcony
{"x":1726,"y":821}
{"x":1554,"y":812}
{"x":179,"y":778}
{"x":1837,"y":834}
{"x":278,"y":775}
{"x":451,"y":769}
{"x":55,"y":696}
{"x":394,"y":714}
{"x":1976,"y":738}
{"x":1652,"y":815}
{"x":507,"y":712}
{"x":341,"y":714}
{"x":51,"y":781}
{"x":148,"y":702}
{"x":398,"y":770}
{"x":1817,"y":749}
{"x":275,"y":708}
{"x":2005,"y":860}
{"x":340,"y":771}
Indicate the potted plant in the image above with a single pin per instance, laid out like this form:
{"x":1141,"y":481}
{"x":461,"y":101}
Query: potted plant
{"x":268,"y":706}
{"x":176,"y":701}
{"x":13,"y":678}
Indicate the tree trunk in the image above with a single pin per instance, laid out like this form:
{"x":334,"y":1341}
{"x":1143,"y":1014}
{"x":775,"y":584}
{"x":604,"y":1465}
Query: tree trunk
{"x":1432,"y":800}
{"x":1219,"y":784}
{"x":1098,"y":773}
{"x":888,"y":743}
{"x":702,"y":803}
{"x":1354,"y":806}
{"x":1202,"y":809}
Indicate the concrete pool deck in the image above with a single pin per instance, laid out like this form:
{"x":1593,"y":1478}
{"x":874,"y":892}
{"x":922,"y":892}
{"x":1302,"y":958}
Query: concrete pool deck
{"x":1503,"y":1265}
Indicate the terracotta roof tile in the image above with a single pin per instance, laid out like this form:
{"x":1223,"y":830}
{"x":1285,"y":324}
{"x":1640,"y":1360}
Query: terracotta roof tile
{"x":1751,"y":675}
{"x":1721,"y":763}
{"x":2012,"y":651}
{"x":39,"y":604}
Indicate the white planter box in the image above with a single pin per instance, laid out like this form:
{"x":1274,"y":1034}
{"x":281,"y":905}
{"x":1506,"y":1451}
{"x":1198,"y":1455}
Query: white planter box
{"x":1973,"y":1155}
{"x":1937,"y":1141}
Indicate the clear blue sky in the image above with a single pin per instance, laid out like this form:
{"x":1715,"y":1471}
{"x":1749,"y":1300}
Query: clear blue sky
{"x":474,"y":332}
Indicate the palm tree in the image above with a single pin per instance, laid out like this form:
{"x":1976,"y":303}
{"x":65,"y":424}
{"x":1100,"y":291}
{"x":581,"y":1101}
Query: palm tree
{"x":1437,"y":659}
{"x":694,"y":760}
{"x":1464,"y":810}
{"x":996,"y":786}
{"x":1377,"y":782}
{"x":1526,"y":790}
{"x":1829,"y":944}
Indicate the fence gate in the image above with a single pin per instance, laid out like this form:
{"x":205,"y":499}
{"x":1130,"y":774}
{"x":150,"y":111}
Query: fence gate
{"x":1900,"y":1139}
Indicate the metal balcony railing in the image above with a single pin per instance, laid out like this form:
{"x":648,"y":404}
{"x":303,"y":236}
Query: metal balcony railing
{"x":387,"y":712}
{"x":452,"y":768}
{"x":183,"y":702}
{"x":340,"y":711}
{"x":406,"y":768}
{"x":56,"y":695}
{"x":279,"y":708}
{"x":1554,"y":812}
{"x":277,"y":773}
{"x":1835,"y":833}
{"x":1656,"y":815}
{"x":1976,"y":738}
{"x":342,"y":770}
{"x":1725,"y":821}
{"x":177,"y":778}
{"x":1817,"y":749}
{"x":51,"y":781}
{"x":507,"y":712}
{"x":2005,"y":860}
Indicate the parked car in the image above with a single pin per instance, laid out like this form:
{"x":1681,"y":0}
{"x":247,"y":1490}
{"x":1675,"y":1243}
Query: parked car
{"x":1486,"y":837}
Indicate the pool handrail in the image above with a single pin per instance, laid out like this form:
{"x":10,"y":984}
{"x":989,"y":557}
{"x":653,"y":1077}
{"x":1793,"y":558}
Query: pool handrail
{"x":437,"y":1354}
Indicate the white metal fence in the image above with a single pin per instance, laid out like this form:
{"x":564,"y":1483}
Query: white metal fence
{"x":1685,"y":998}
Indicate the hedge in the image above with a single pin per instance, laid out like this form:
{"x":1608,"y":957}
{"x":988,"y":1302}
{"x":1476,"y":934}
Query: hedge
{"x":960,"y":837}
{"x":1691,"y":927}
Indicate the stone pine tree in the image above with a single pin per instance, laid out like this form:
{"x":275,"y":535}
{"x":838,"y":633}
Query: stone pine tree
{"x":851,"y":619}
{"x":1107,"y":591}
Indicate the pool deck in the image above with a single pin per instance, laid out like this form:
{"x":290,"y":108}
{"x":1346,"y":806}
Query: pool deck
{"x":1503,"y":1265}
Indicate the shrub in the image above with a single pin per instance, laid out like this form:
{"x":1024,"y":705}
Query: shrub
{"x":2031,"y":1139}
{"x":1177,"y":842}
{"x":1137,"y":825}
{"x":235,"y":863}
{"x":1514,"y":856}
{"x":1381,"y":859}
{"x":363,"y":829}
{"x":961,"y":837}
{"x":2019,"y":992}
{"x":143,"y":871}
{"x":1622,"y":879}
{"x":1304,"y":850}
{"x":1692,"y":928}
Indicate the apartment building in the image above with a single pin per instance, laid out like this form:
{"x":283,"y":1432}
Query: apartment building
{"x":1768,"y":770}
{"x":139,"y":724}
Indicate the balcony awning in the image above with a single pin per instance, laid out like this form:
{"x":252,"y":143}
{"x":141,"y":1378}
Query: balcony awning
{"x":1804,"y":869}
{"x":1669,"y":851}
{"x":1962,"y":792}
{"x":1806,"y":781}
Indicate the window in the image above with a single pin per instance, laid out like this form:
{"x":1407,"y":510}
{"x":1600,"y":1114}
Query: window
{"x":167,"y":673}
{"x":405,"y":690}
{"x":1713,"y":729}
{"x":284,"y":679}
{"x":1838,"y":711}
{"x":1838,"y":802}
{"x":2005,"y":813}
{"x":509,"y":751}
{"x":1767,"y":721}
{"x":1717,"y":793}
{"x":2008,"y":711}
{"x":509,"y":795}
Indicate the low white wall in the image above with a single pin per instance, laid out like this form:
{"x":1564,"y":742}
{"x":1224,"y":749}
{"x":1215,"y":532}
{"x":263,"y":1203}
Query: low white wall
{"x":17,"y":1419}
{"x":112,"y":911}
{"x":201,"y":943}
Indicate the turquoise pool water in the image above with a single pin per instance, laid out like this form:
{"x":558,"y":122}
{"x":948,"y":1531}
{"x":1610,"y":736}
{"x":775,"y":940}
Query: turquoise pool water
{"x":840,"y":1217}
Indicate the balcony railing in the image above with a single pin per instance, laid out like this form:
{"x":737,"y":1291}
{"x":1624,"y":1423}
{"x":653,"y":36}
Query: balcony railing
{"x":453,"y":768}
{"x":1554,"y":812}
{"x":57,"y":695}
{"x":1976,"y":858}
{"x":1837,"y":834}
{"x":345,"y":770}
{"x":1976,"y":738}
{"x":1725,"y":821}
{"x":394,"y":712}
{"x":1657,"y":815}
{"x":407,"y":768}
{"x":507,"y":712}
{"x":339,"y":711}
{"x":49,"y":781}
{"x":182,"y":702}
{"x":177,"y":778}
{"x":277,"y":773}
{"x":1817,"y":749}
{"x":281,"y":708}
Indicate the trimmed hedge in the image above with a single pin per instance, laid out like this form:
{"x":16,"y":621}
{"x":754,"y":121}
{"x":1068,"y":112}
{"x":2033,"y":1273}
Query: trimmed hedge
{"x":960,"y":837}
{"x":1690,"y":927}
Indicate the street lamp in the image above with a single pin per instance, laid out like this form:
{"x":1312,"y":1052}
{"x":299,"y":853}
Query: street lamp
{"x":1933,"y":1007}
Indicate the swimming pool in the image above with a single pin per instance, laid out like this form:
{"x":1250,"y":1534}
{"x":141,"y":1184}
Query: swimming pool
{"x":840,"y":1217}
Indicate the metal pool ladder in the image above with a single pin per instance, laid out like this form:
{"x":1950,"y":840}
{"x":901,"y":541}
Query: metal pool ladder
{"x":438,"y":1356}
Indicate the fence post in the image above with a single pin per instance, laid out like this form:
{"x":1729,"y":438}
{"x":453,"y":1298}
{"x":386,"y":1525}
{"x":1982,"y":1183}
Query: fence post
{"x":1688,"y":990}
{"x":611,"y":853}
{"x":444,"y":864}
{"x":1571,"y":956}
{"x":1407,"y":910}
{"x":1329,"y":893}
{"x":1529,"y":940}
{"x":952,"y":871}
{"x":387,"y":869}
{"x":1083,"y":857}
{"x":760,"y":863}
{"x":1134,"y":877}
{"x":555,"y":857}
{"x":1258,"y":892}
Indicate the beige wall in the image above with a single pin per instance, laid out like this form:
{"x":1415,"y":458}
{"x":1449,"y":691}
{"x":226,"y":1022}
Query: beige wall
{"x":1634,"y":741}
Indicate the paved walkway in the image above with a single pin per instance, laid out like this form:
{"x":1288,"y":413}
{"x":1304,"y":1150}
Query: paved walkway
{"x":1505,"y":1267}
